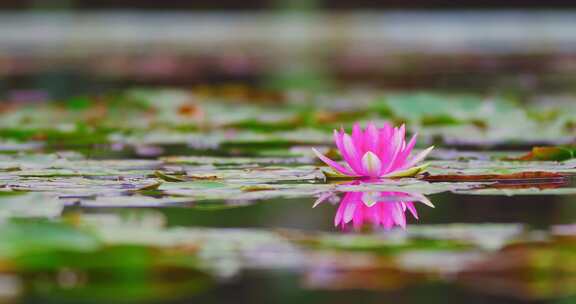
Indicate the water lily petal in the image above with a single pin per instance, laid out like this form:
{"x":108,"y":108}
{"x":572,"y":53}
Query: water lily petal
{"x":424,"y":200}
{"x":396,"y":148}
{"x":405,"y":152}
{"x":322,"y":198}
{"x":339,"y":139}
{"x":358,"y":219}
{"x":398,"y":216}
{"x":355,"y":157}
{"x":348,"y":212}
{"x":348,"y":199}
{"x":402,"y":135}
{"x":380,"y":208}
{"x":387,"y":127}
{"x":336,"y":166}
{"x":371,"y":138}
{"x":418,"y":157}
{"x":338,"y":216}
{"x":370,"y":198}
{"x":371,"y":164}
{"x":358,"y":139}
{"x":412,"y":209}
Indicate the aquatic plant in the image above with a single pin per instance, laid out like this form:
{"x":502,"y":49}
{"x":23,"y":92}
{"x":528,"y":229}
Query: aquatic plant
{"x":374,"y":152}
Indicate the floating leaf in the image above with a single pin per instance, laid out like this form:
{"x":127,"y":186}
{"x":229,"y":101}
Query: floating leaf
{"x":169,"y":178}
{"x":548,"y":154}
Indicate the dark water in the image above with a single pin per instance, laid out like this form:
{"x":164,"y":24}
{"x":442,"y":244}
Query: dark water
{"x":538,"y":211}
{"x":297,"y":285}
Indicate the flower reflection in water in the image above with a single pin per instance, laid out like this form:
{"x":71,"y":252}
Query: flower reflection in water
{"x":379,"y":208}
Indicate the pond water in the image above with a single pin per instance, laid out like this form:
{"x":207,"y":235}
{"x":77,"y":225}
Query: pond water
{"x":283,"y":250}
{"x":183,"y":200}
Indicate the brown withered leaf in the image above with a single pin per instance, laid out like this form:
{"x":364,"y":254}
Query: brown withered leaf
{"x":520,"y":176}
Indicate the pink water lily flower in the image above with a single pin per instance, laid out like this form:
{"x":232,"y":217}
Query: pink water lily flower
{"x":385,"y":209}
{"x":374,"y":152}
